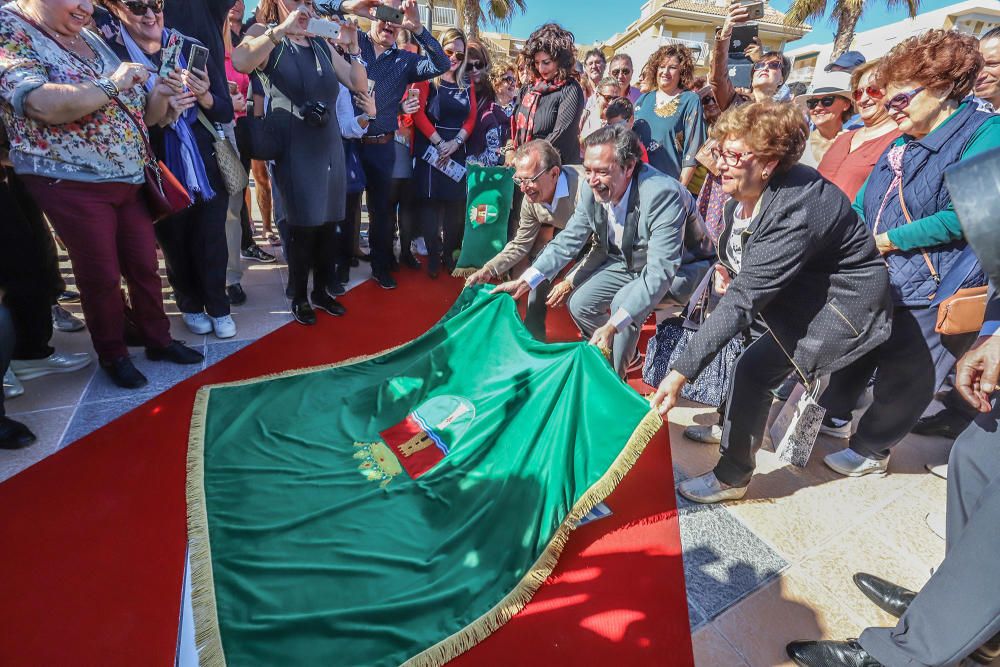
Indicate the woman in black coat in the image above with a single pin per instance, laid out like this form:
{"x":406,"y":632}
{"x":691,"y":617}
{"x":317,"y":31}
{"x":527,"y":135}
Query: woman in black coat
{"x":806,"y":267}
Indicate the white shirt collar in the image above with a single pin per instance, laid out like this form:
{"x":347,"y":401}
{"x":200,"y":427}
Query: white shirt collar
{"x":619,"y":210}
{"x":562,"y":190}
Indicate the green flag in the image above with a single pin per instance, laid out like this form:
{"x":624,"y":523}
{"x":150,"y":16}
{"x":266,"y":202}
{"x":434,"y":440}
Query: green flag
{"x":399,"y":509}
{"x":490,"y":192}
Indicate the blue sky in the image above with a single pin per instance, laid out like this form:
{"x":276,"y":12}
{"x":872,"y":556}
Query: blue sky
{"x":589,"y":21}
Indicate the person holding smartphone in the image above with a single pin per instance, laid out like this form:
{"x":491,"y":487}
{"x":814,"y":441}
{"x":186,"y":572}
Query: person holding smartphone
{"x":193,"y":241}
{"x":303,"y":77}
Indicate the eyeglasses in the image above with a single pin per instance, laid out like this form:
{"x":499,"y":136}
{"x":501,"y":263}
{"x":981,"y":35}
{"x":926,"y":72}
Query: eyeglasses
{"x":139,"y":8}
{"x":607,"y":98}
{"x":457,"y":55}
{"x":476,"y":65}
{"x":621,"y":72}
{"x":766,"y":64}
{"x":870,"y":91}
{"x":826,"y":102}
{"x":509,"y":79}
{"x":707,"y":100}
{"x":522,"y":181}
{"x":902,"y":100}
{"x":731,"y":158}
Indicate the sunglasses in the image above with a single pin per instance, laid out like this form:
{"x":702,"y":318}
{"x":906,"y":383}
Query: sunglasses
{"x":870,"y":91}
{"x":457,"y":55}
{"x":476,"y":65}
{"x":522,"y":181}
{"x":732,"y":158}
{"x":769,"y":64}
{"x":708,"y":100}
{"x":621,"y":72}
{"x":139,"y":8}
{"x":826,"y":102}
{"x":902,"y":100}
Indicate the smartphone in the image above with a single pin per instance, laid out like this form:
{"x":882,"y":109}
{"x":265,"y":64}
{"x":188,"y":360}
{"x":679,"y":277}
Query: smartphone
{"x":371,"y":87}
{"x":169,"y":55}
{"x":233,"y":87}
{"x":755,"y":9}
{"x":743,"y":36}
{"x":412,"y":94}
{"x":197,"y":58}
{"x":324,"y":28}
{"x":389,"y":14}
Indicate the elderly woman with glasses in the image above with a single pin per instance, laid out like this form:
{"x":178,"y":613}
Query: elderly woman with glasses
{"x":806,"y":272}
{"x":76,"y":118}
{"x":908,"y":209}
{"x":668,"y":118}
{"x":852,"y":155}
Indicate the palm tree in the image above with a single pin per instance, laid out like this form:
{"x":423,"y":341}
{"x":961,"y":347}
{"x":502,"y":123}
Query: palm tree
{"x":497,"y":12}
{"x":845,"y":12}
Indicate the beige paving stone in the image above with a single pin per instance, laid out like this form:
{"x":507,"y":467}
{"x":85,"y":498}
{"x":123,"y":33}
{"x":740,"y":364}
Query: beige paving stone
{"x":711,"y":649}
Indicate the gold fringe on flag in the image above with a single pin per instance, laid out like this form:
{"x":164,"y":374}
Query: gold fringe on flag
{"x":463,"y":272}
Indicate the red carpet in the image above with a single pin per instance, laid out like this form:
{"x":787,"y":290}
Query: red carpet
{"x":94,"y":536}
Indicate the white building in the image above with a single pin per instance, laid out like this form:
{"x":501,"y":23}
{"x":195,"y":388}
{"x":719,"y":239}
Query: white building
{"x":973,"y":16}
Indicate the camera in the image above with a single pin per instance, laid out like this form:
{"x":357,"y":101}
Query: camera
{"x":316,"y":114}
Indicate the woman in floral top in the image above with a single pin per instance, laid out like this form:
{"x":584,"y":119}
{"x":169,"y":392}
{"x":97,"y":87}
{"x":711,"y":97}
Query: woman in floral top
{"x":81,"y":156}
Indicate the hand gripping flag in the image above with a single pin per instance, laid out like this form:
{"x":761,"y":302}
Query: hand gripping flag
{"x":491,"y":190}
{"x":398,"y":509}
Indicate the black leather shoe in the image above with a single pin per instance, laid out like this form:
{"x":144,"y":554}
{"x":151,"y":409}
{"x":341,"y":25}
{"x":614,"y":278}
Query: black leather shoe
{"x":945,"y":424}
{"x":14,"y":434}
{"x":237,"y":296}
{"x":303,"y":313}
{"x":124,"y":373}
{"x":384,"y":280}
{"x":830,"y":654}
{"x":177,"y":353}
{"x":409,"y":261}
{"x":328,"y":303}
{"x":886,"y":595}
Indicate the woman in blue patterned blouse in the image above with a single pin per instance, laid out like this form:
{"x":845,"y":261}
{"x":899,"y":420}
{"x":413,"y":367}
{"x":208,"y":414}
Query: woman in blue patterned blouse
{"x":669,"y":120}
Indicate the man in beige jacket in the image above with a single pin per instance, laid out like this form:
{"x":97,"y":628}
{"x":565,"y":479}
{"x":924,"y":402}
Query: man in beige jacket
{"x":551,"y":194}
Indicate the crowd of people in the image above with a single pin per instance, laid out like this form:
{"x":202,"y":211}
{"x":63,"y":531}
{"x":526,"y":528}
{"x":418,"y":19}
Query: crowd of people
{"x":816,"y":223}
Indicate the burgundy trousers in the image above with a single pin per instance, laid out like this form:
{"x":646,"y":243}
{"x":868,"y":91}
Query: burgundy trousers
{"x":108,"y":232}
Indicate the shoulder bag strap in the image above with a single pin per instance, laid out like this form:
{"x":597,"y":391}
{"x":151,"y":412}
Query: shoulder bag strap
{"x":927,"y":259}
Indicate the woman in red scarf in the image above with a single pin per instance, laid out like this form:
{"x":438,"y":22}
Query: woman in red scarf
{"x":550,"y":109}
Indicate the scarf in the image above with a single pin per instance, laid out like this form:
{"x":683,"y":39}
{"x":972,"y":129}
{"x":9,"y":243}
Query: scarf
{"x":523,"y":120}
{"x":895,"y":159}
{"x":182,"y":156}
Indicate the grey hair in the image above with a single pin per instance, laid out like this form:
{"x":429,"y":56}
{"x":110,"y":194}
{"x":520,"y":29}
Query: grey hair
{"x":609,"y":81}
{"x":622,"y":56}
{"x":547,"y":154}
{"x":622,"y":139}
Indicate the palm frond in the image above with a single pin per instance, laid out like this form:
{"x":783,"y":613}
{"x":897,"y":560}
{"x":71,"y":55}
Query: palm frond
{"x":802,"y":10}
{"x":912,"y":6}
{"x":501,"y":12}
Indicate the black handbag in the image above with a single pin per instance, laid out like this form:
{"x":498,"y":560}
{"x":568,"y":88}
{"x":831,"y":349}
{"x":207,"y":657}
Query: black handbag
{"x":259,"y":139}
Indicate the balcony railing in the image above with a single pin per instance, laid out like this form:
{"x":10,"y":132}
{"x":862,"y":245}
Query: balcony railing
{"x":699,"y":50}
{"x":444,"y":17}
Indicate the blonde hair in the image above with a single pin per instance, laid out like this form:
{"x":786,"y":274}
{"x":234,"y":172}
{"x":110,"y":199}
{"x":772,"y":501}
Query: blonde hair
{"x":453,"y":35}
{"x":771,"y":130}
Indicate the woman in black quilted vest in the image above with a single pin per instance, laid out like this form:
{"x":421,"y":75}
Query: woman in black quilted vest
{"x":907,"y":206}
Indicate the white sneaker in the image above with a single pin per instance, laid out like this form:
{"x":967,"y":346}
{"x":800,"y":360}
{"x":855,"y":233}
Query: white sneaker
{"x":12,"y":387}
{"x":848,"y":462}
{"x":29,"y":369}
{"x":418,"y":246}
{"x":224,"y":326}
{"x":710,"y":435}
{"x":708,"y":489}
{"x":197,"y":323}
{"x":841,"y":431}
{"x":940,"y":470}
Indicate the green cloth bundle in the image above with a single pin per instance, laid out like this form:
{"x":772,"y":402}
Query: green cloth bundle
{"x":491,"y":191}
{"x":398,"y":509}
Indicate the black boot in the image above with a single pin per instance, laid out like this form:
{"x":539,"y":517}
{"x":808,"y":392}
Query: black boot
{"x":887,"y":596}
{"x":830,"y":654}
{"x":14,"y":434}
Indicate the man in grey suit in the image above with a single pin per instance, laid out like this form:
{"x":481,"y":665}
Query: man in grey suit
{"x":650,"y":245}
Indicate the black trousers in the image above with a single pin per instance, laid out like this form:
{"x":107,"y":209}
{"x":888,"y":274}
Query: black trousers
{"x":312,"y":249}
{"x":760,"y":368}
{"x":403,"y":212}
{"x":437,"y":216}
{"x":196,"y":254}
{"x":7,"y":341}
{"x":377,"y":160}
{"x":29,"y":270}
{"x":347,"y":233}
{"x":909,"y":368}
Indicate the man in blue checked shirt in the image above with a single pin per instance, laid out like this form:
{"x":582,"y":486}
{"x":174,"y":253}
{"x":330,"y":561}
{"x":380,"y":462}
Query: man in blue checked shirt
{"x":391,"y":69}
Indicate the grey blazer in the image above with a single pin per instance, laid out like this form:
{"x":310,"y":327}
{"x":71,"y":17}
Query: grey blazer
{"x":810,"y":270}
{"x":663,"y":229}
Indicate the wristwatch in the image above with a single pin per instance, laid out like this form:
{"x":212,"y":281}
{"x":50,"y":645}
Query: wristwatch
{"x":458,"y":140}
{"x":269,"y":33}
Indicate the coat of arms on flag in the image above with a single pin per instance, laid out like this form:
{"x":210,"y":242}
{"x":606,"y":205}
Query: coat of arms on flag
{"x":487,"y":448}
{"x":483,"y":214}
